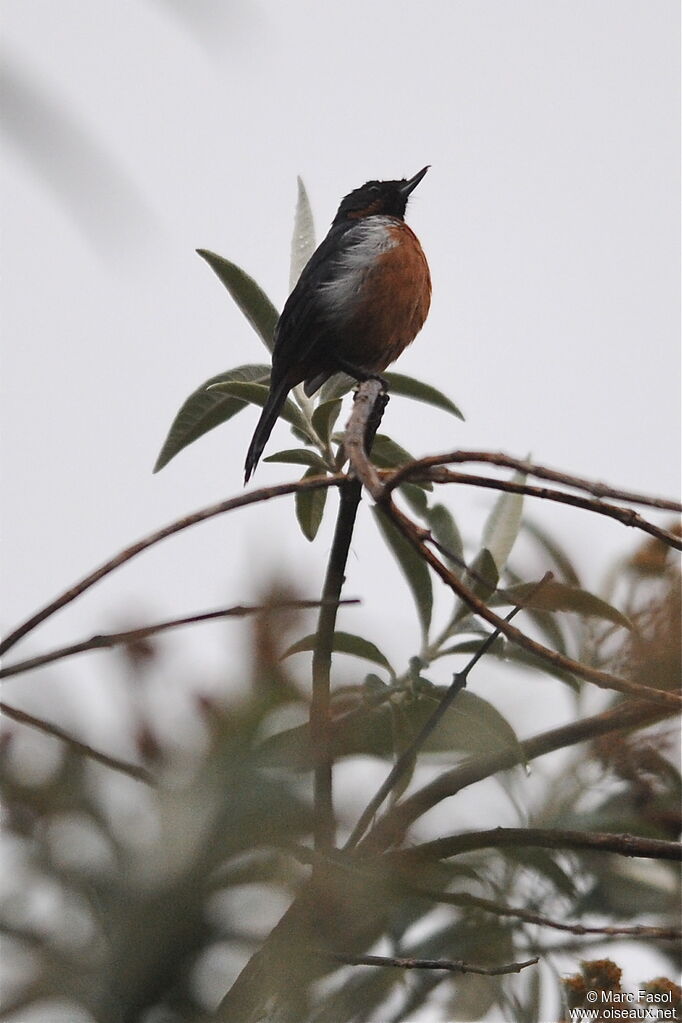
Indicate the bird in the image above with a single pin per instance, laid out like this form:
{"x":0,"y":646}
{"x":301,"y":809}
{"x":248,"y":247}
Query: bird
{"x":361,"y":299}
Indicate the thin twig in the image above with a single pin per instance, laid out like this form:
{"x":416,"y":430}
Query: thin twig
{"x":452,"y":965}
{"x":242,"y":501}
{"x":604,"y":679}
{"x":627,"y":516}
{"x":391,"y":828}
{"x":543,"y":838}
{"x":597,"y":489}
{"x":107,"y":640}
{"x":529,"y":917}
{"x":408,"y":756}
{"x":122,"y":766}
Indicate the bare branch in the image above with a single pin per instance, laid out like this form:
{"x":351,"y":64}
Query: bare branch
{"x":452,"y":965}
{"x":598,"y":490}
{"x":544,"y":838}
{"x":627,"y":516}
{"x":108,"y":640}
{"x":604,"y":679}
{"x":122,"y":766}
{"x":242,"y":501}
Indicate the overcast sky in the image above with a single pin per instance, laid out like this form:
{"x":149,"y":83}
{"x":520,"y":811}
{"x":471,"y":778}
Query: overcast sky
{"x":136,"y":132}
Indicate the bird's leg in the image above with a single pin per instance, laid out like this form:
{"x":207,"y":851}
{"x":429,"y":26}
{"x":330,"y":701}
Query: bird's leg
{"x":360,"y":374}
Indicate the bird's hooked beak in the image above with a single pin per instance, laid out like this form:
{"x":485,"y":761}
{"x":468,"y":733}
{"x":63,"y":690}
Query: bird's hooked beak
{"x":410,"y":185}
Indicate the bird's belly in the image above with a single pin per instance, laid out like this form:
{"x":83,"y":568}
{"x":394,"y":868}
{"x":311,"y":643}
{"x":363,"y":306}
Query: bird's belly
{"x":392,"y":303}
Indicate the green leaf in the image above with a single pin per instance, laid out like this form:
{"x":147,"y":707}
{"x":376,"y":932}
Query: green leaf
{"x":324,"y":418}
{"x":556,"y":596}
{"x":503,"y":524}
{"x":310,"y":507}
{"x":303,"y":237}
{"x":299,"y":456}
{"x":398,"y":383}
{"x":550,"y":627}
{"x":248,"y":295}
{"x":413,"y":567}
{"x":444,"y":529}
{"x":472,"y":725}
{"x":257,"y":394}
{"x":481,"y":578}
{"x":206,"y":409}
{"x":416,"y":498}
{"x":336,"y":387}
{"x":345,"y":643}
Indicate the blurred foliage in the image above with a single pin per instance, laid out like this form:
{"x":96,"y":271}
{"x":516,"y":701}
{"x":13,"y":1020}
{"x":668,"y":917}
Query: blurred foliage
{"x":144,"y":907}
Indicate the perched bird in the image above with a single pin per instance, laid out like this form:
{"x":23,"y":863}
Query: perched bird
{"x":361,"y":299}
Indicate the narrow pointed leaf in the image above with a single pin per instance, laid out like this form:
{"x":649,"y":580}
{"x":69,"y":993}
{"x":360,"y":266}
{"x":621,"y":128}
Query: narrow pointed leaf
{"x":472,"y":725}
{"x":257,"y":394}
{"x":482,"y":578}
{"x":310,"y":507}
{"x":248,"y":295}
{"x":299,"y":456}
{"x":412,"y":566}
{"x":345,"y":643}
{"x":324,"y":418}
{"x":503,"y":524}
{"x":337,"y":386}
{"x":416,"y":498}
{"x":205,"y":409}
{"x":303,"y":238}
{"x":444,"y":530}
{"x":557,"y":596}
{"x":398,"y":383}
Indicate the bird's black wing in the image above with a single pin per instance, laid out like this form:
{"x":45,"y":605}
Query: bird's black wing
{"x":304,"y":322}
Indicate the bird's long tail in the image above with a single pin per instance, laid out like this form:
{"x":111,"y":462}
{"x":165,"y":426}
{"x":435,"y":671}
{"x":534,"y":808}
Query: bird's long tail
{"x":268,"y":418}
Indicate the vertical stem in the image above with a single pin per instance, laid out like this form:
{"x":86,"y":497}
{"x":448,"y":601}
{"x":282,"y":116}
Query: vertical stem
{"x":350,"y":494}
{"x":320,"y":718}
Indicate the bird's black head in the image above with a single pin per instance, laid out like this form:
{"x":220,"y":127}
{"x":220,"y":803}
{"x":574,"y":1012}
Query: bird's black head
{"x":376,"y":198}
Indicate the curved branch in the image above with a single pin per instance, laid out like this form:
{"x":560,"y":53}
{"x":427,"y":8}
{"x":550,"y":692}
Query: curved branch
{"x":255,"y":497}
{"x":528,"y":916}
{"x":604,"y":679}
{"x":543,"y":838}
{"x":597,"y":489}
{"x":107,"y":640}
{"x":627,"y":516}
